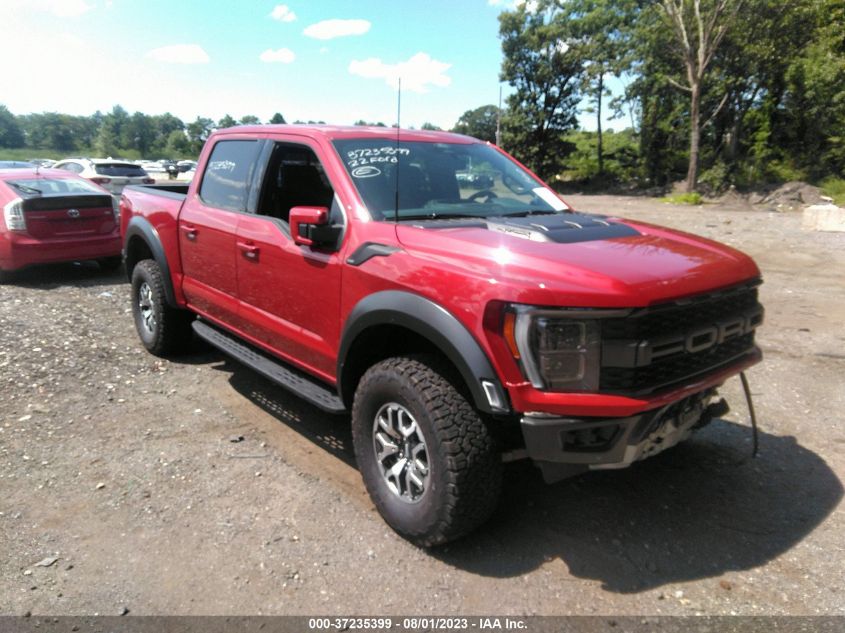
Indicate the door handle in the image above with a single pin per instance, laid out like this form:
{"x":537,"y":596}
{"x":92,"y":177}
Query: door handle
{"x":249,"y":250}
{"x":190,"y":231}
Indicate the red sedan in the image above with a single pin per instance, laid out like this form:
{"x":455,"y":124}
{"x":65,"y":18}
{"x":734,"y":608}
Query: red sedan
{"x":55,"y":216}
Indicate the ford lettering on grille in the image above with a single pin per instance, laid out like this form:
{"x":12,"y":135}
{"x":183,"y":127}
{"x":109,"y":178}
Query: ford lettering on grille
{"x":700,"y":339}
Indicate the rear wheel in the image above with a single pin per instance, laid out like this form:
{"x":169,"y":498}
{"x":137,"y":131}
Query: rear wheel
{"x":426,"y":456}
{"x":163,"y":329}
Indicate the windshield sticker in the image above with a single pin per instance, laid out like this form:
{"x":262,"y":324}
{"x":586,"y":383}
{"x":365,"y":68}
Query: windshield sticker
{"x":371,"y":155}
{"x":550,"y":198}
{"x":366,"y":171}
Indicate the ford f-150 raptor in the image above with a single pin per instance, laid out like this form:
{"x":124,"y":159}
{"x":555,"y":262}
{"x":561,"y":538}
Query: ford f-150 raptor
{"x":448,"y":300}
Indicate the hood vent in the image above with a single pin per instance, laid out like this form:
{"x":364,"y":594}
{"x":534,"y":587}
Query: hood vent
{"x":563,"y":228}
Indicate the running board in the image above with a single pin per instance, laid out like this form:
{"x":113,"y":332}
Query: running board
{"x":299,"y":383}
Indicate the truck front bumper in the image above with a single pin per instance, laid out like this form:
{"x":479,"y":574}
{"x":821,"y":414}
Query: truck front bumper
{"x":562,"y":447}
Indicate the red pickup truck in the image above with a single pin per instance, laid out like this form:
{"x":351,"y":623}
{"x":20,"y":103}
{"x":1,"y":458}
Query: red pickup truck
{"x":433,"y":287}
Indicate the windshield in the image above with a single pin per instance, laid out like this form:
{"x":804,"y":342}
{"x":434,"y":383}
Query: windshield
{"x":441,"y":180}
{"x":119,"y":169}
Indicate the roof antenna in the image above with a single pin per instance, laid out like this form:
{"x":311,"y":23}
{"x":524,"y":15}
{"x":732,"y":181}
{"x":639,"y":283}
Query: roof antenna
{"x":398,"y":124}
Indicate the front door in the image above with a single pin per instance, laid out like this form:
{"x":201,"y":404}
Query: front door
{"x":290,"y":294}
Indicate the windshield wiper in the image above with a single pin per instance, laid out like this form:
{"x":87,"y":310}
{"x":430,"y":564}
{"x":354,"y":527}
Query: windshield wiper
{"x":25,"y":188}
{"x":523,"y":214}
{"x":437,"y":215}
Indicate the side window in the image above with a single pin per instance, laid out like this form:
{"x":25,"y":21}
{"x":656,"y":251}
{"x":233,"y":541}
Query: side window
{"x":225,"y":183}
{"x":294,"y":178}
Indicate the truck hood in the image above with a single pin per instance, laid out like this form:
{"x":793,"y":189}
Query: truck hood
{"x":579,"y":259}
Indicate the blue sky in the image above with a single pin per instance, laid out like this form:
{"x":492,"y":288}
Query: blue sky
{"x":328,"y":60}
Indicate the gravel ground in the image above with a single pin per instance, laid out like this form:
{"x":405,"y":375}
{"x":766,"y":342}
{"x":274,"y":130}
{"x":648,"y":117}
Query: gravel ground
{"x":124,"y":484}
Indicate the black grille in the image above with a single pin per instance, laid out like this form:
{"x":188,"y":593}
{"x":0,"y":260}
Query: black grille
{"x":678,"y":318}
{"x":664,"y":373}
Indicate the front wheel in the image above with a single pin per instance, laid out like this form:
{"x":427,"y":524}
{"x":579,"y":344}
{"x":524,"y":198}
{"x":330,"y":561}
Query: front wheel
{"x":163,"y":329}
{"x":427,"y":458}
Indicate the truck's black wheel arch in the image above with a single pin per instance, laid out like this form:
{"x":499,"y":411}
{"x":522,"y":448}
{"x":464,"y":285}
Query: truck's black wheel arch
{"x":392,"y":314}
{"x":142,"y":242}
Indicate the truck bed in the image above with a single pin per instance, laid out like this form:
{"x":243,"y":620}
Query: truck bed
{"x":175,"y":191}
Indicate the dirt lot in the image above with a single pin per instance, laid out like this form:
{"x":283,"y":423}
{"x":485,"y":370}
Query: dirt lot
{"x":121,"y":466}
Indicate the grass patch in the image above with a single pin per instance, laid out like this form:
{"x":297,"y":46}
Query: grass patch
{"x":834,"y":188}
{"x":693,"y":198}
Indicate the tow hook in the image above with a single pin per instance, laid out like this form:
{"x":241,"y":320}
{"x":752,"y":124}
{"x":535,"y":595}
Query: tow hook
{"x":714,"y":410}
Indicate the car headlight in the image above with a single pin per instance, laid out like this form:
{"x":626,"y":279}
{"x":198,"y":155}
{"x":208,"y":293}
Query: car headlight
{"x":558,"y":350}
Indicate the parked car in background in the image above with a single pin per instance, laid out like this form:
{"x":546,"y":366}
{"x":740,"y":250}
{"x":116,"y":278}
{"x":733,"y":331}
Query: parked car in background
{"x":16,"y":164}
{"x":55,"y":216}
{"x":42,"y":162}
{"x":112,"y":175}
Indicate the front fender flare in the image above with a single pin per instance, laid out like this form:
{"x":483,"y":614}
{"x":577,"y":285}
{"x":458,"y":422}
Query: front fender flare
{"x":440,"y":327}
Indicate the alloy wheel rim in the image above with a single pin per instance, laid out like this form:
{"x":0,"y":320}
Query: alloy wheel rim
{"x":146,"y":306}
{"x":401,"y":452}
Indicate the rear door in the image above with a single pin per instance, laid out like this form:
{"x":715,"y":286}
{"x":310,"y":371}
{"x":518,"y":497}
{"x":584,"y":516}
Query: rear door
{"x":290,"y":294}
{"x":207,"y":229}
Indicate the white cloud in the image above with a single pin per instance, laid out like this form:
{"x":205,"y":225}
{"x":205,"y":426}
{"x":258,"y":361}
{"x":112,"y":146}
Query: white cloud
{"x":180,"y":54}
{"x":281,"y":56}
{"x":417,"y":74}
{"x":282,"y":13}
{"x":330,"y":29}
{"x":510,"y":5}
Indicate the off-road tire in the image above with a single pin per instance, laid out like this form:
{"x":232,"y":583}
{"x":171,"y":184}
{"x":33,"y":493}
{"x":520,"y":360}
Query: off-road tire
{"x":110,"y":264}
{"x":169,"y":330}
{"x":464,"y":465}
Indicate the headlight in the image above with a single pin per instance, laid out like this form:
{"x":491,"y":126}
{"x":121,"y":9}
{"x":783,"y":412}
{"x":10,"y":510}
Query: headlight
{"x":557,"y":352}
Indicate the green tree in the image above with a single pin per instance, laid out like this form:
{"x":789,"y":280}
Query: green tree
{"x":601,"y":33}
{"x":49,"y":130}
{"x":178,"y":145}
{"x":250,"y":119}
{"x":111,"y":138}
{"x":198,"y":132}
{"x":164,"y":126}
{"x":479,"y":123}
{"x":430,"y":126}
{"x":138,"y":133}
{"x":226,"y":121}
{"x":814,"y":102}
{"x":11,"y":133}
{"x":698,"y":26}
{"x":546,"y":73}
{"x":277,"y":119}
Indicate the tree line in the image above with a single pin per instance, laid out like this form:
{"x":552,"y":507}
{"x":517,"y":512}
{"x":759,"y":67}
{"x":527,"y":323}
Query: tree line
{"x":116,"y":133}
{"x":717,"y":92}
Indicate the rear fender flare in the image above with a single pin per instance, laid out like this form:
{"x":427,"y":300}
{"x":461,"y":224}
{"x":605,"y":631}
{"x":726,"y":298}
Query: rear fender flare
{"x":140,"y":228}
{"x":437,"y":325}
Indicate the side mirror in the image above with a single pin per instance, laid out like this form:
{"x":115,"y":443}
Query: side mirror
{"x":305,"y":222}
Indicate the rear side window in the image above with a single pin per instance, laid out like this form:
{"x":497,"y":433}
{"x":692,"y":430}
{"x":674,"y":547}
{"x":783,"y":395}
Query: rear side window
{"x":74,"y":167}
{"x":225,"y":184}
{"x":127,"y":170}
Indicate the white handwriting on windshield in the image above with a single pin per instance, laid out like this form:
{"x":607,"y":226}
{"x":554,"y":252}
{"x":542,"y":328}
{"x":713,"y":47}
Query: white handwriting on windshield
{"x":371,"y":155}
